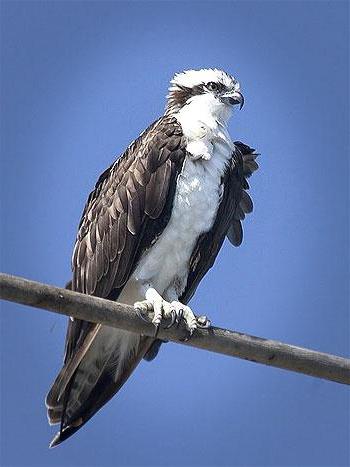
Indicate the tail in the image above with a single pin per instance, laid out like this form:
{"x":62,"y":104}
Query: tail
{"x":91,"y":377}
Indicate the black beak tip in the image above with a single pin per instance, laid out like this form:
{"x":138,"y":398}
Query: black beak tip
{"x":237,"y":100}
{"x":241,"y":102}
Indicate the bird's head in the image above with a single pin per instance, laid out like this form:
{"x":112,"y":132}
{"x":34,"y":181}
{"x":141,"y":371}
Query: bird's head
{"x":208,"y":89}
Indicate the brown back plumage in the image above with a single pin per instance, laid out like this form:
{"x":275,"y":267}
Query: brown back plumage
{"x":125,"y":213}
{"x":129,"y":207}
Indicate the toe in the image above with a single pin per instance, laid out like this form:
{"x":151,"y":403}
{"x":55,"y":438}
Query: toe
{"x":158,"y":312}
{"x":203,"y":322}
{"x":190,"y":319}
{"x":143,"y":306}
{"x":184,"y":312}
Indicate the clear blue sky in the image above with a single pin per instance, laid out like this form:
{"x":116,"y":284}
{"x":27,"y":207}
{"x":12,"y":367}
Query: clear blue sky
{"x":79,"y":81}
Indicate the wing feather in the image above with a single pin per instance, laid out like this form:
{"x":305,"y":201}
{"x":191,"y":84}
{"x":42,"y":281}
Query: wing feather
{"x":123,"y":215}
{"x":156,"y":190}
{"x":234,"y":205}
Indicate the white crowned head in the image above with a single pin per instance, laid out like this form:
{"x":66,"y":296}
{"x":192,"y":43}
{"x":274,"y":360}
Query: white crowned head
{"x":207,"y":87}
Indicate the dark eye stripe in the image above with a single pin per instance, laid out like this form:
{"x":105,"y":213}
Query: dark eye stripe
{"x":181,"y":94}
{"x":213,"y":86}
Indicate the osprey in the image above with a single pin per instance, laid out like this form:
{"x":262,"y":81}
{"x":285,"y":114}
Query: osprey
{"x":150,"y":231}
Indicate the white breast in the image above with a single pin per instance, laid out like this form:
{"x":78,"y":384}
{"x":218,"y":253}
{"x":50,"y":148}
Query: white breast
{"x":197,"y":197}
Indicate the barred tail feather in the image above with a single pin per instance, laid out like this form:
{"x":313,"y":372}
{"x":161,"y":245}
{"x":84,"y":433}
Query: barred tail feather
{"x":76,"y":396}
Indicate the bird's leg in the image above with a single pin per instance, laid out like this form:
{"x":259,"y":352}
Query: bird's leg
{"x":176,"y":311}
{"x":184,"y":313}
{"x":161,"y":308}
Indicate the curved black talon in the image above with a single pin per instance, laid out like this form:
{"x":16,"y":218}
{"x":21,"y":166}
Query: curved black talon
{"x":157,"y":326}
{"x":179,"y":317}
{"x":141,"y":316}
{"x":173,"y":319}
{"x":188,"y":337}
{"x":203,"y":322}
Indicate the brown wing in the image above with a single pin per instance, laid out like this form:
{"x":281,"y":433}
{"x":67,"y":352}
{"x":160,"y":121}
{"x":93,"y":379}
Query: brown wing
{"x":129,"y":207}
{"x":234,"y":205}
{"x":128,"y":196}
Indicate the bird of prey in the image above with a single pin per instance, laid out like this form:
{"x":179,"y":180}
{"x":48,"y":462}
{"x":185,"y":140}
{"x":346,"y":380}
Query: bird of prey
{"x":149,"y":232}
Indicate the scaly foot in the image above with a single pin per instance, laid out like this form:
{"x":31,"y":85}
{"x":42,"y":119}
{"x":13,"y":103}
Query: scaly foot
{"x":175,"y":311}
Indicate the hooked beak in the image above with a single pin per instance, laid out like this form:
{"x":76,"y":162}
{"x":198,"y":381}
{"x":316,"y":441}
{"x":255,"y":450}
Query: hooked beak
{"x":233,"y":98}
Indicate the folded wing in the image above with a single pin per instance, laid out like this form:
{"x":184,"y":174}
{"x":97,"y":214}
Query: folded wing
{"x":129,"y":207}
